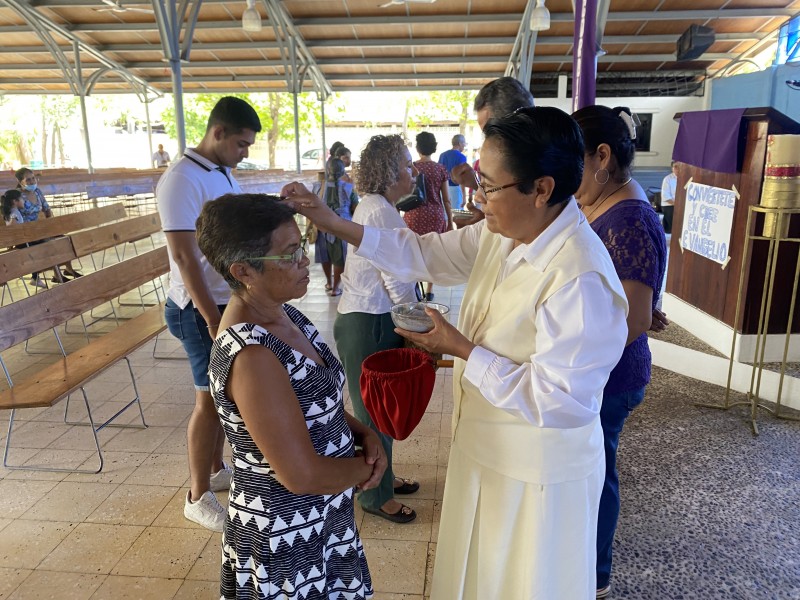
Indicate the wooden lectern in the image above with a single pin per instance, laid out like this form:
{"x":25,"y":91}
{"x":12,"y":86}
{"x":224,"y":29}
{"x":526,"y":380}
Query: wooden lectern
{"x":702,"y":282}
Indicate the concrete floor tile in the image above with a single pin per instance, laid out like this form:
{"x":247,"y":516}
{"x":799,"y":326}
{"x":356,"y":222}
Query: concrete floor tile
{"x":137,"y":588}
{"x":51,"y":585}
{"x":26,"y":543}
{"x":10,"y":579}
{"x":17,"y":496}
{"x":396,"y":566}
{"x":70,"y":501}
{"x":207,"y":566}
{"x":117,"y":467}
{"x":99,"y":547}
{"x":132,"y":505}
{"x":139,"y":440}
{"x":170,"y":470}
{"x":178,"y":550}
{"x":416,"y":450}
{"x":198,"y":590}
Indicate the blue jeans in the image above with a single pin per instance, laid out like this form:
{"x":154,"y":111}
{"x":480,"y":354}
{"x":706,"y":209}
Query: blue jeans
{"x":188,"y":325}
{"x":614,"y":411}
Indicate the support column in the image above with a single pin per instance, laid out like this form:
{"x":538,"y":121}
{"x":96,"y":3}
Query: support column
{"x":82,"y":97}
{"x":584,"y":57}
{"x":149,"y":129}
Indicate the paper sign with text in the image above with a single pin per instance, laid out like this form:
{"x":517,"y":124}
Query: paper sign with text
{"x":707,"y":221}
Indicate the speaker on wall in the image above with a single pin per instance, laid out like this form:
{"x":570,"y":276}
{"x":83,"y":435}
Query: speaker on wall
{"x":694,"y":41}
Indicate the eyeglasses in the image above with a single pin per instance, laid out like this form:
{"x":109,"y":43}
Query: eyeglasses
{"x":294,"y":258}
{"x":488,"y":191}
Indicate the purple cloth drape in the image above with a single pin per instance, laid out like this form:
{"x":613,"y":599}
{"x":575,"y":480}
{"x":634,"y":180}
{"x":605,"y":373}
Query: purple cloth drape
{"x":584,"y":54}
{"x":711,"y":139}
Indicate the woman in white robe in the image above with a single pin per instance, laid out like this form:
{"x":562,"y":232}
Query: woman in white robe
{"x":541,"y":326}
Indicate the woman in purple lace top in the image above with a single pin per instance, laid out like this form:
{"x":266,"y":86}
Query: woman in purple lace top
{"x":619,"y":212}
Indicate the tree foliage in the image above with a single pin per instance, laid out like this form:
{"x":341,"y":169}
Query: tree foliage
{"x":275,"y":111}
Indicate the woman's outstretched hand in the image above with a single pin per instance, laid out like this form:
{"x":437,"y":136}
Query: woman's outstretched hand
{"x":373,"y":455}
{"x":308,"y":204}
{"x":444,"y":338}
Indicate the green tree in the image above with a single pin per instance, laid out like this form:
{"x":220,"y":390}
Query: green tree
{"x":57,"y":112}
{"x":275,"y":111}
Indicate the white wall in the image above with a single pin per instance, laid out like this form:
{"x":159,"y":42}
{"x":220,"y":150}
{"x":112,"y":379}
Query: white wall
{"x":665,"y":128}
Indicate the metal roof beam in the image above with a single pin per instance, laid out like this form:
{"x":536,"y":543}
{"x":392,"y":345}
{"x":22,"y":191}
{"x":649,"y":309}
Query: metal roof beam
{"x":609,"y":58}
{"x":662,"y":15}
{"x":540,"y":41}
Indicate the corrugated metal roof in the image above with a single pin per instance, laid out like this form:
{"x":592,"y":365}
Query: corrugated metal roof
{"x":358,"y":44}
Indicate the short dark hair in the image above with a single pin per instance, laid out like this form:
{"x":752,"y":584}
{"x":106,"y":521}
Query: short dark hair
{"x":235,"y":227}
{"x":603,"y":125}
{"x":341,"y":151}
{"x":20,"y":173}
{"x":503,"y":96}
{"x":426,"y":143}
{"x":335,"y":148}
{"x":538,"y":142}
{"x":235,"y":115}
{"x":8,"y":199}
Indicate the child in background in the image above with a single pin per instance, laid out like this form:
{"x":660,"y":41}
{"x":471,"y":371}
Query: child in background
{"x":12,"y":204}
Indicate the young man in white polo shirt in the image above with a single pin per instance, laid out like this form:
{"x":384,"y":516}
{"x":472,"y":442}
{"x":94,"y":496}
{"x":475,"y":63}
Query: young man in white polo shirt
{"x":197,"y":293}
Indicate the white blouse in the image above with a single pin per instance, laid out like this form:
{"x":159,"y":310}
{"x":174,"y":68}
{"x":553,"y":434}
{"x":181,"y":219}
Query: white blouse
{"x":575,"y":326}
{"x":365,"y":288}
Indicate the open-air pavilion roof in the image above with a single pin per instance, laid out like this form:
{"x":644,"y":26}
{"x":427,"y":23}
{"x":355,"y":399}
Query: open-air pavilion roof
{"x":359,"y":45}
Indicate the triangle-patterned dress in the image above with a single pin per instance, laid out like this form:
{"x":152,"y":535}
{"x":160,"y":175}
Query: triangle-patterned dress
{"x":276,"y":544}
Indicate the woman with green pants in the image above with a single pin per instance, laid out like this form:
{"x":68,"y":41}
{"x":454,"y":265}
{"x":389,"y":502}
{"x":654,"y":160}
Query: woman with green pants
{"x":364,"y":325}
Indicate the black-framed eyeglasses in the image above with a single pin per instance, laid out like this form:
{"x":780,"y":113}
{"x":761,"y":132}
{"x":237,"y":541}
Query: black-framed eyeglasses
{"x":295,"y":257}
{"x":487,"y":191}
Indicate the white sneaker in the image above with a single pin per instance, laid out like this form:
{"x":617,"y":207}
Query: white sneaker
{"x":221,"y":480}
{"x":38,"y":282}
{"x":207,"y":511}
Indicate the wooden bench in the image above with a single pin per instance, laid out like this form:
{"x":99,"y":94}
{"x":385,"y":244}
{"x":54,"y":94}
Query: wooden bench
{"x":31,"y":316}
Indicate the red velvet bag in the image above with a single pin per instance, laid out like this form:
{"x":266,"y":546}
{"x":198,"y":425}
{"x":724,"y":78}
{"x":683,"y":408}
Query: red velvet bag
{"x":396,"y":386}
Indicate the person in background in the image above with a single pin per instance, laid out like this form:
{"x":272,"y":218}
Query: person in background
{"x":450,"y":159}
{"x":288,"y":459}
{"x":34,"y":203}
{"x":364,"y":324}
{"x":541,"y":326}
{"x":12,"y":205}
{"x":329,"y":250}
{"x":619,"y":212}
{"x":197,"y":294}
{"x":435,"y":215}
{"x":161,"y":158}
{"x":668,"y":188}
{"x":496,"y":99}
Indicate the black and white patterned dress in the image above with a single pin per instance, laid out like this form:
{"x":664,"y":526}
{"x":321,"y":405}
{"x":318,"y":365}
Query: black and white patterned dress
{"x":276,"y":544}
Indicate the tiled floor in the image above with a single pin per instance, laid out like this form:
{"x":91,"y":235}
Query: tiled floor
{"x":709,"y":512}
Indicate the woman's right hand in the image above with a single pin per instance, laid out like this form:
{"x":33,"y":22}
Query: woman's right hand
{"x":308,"y":204}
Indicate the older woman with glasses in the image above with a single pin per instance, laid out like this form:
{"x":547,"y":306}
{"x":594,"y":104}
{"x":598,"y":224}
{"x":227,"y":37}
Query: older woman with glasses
{"x":541,"y":325}
{"x":277,"y":387}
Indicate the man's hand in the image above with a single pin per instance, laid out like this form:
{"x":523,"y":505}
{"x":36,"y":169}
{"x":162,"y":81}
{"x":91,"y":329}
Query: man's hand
{"x":660,"y":321}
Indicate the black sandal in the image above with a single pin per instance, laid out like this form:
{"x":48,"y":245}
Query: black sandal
{"x":409,"y":486}
{"x":406,"y":514}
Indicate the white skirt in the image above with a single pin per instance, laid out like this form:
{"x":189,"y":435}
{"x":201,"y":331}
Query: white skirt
{"x":500,"y":538}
